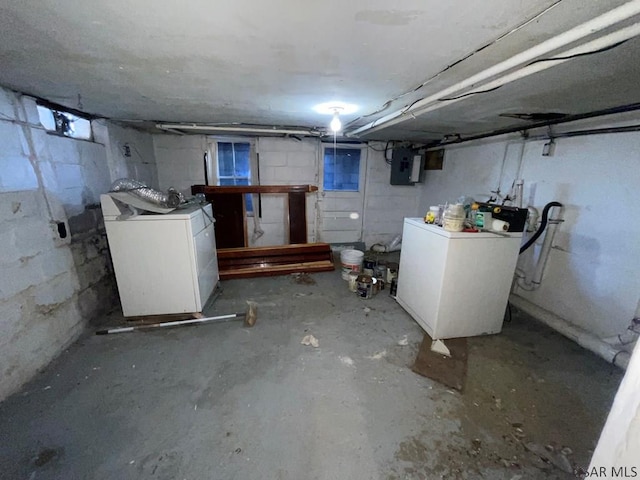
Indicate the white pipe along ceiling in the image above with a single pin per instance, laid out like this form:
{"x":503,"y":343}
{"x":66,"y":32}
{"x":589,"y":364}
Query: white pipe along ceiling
{"x":418,"y":71}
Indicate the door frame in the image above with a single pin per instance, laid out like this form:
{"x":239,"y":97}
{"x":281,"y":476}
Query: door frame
{"x":360,"y":195}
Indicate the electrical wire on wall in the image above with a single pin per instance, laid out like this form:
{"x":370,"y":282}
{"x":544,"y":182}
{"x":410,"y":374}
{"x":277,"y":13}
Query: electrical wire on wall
{"x":379,"y":149}
{"x":385,"y":150}
{"x":386,"y":156}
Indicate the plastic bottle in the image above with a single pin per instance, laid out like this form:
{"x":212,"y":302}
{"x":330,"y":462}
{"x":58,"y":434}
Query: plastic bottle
{"x":432,"y":214}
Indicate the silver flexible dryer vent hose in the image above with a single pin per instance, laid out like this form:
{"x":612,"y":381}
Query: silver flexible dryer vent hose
{"x":171,"y":199}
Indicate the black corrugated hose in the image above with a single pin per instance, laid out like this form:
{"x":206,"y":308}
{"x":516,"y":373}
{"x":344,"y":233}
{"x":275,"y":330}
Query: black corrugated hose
{"x":543,"y":225}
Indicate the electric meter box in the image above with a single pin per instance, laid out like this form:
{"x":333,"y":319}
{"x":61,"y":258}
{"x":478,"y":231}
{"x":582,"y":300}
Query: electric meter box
{"x":406,"y":166}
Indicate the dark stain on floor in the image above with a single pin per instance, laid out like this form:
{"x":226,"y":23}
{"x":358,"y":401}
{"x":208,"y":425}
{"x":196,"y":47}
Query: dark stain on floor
{"x":46,"y":455}
{"x":303,"y":279}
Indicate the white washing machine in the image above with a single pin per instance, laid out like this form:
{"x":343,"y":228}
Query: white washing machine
{"x":456,"y":284}
{"x":164,"y":263}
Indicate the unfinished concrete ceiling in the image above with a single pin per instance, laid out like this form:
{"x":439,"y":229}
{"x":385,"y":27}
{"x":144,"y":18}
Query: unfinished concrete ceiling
{"x":417,"y":70}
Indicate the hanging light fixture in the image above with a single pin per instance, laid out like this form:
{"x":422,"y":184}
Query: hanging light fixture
{"x":335,"y":109}
{"x":336,"y":124}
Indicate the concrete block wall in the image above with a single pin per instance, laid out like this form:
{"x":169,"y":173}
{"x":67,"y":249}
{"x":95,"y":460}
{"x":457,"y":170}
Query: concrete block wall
{"x":56,"y":272}
{"x":282,"y":162}
{"x":180,"y":161}
{"x":140,"y":165}
{"x":286,"y":162}
{"x":591,"y":278}
{"x":386,"y":205}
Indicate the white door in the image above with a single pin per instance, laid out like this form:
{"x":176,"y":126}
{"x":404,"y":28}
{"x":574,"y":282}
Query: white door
{"x":341,"y":199}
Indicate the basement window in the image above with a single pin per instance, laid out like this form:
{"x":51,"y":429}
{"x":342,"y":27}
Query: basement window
{"x":234,"y":166}
{"x":341,"y":169}
{"x":64,"y":123}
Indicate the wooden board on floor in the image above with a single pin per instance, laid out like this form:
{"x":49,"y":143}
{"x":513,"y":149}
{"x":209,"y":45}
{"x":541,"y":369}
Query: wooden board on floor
{"x":450,"y":371}
{"x":306,"y":248}
{"x":308,"y":267}
{"x":277,"y":260}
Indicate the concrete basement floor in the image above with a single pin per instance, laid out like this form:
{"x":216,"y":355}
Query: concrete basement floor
{"x":227,"y":402}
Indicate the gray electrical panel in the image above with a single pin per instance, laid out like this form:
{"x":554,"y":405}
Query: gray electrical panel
{"x":406,"y":166}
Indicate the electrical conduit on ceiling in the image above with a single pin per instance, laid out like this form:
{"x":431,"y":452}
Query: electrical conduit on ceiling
{"x":240,"y":128}
{"x":523,"y":62}
{"x":388,"y":103}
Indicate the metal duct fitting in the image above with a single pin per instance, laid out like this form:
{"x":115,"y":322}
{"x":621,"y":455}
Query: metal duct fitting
{"x":171,"y":199}
{"x":393,"y":246}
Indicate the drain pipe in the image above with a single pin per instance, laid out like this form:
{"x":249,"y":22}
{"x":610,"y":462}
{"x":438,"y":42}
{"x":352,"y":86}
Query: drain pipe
{"x":519,"y":192}
{"x":631,"y":334}
{"x":611,"y":354}
{"x":549,"y":228}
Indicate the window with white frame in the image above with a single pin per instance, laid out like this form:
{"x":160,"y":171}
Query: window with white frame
{"x":234,"y":165}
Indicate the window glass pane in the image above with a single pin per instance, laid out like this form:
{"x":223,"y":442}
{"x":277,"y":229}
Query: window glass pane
{"x":234,"y":166}
{"x":247,"y":198}
{"x":249,"y":202}
{"x":46,"y":118}
{"x":342,"y":169}
{"x":225,"y":160}
{"x":64,"y":123}
{"x":242,"y":160}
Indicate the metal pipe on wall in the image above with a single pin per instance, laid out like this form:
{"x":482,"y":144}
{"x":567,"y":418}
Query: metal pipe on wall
{"x":569,"y":118}
{"x":610,"y":353}
{"x":550,"y":228}
{"x":545,"y":250}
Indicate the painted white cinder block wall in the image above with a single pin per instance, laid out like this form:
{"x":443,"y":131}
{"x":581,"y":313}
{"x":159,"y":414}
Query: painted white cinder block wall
{"x":141,"y":165}
{"x":285,"y":161}
{"x":591,"y":277}
{"x":50,"y":287}
{"x":386,"y":205}
{"x":179,"y":161}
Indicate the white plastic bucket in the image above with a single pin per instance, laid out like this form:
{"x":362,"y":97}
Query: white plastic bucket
{"x":351,"y":260}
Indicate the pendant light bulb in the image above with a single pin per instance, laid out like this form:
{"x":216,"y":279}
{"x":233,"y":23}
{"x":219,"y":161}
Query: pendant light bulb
{"x":335,"y":124}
